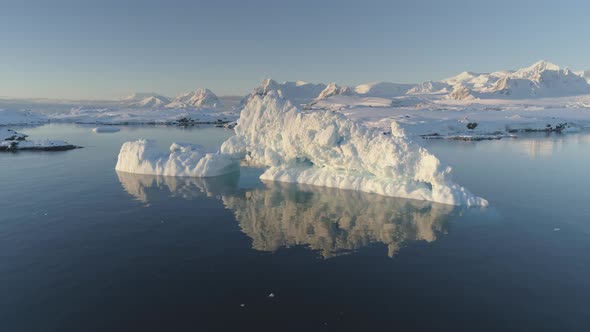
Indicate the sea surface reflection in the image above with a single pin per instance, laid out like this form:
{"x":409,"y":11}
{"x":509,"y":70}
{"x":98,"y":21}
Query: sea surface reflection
{"x":81,"y":244}
{"x":327,"y":220}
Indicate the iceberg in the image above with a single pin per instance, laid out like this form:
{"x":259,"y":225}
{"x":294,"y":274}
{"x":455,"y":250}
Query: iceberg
{"x":324,"y":148}
{"x":143,"y":157}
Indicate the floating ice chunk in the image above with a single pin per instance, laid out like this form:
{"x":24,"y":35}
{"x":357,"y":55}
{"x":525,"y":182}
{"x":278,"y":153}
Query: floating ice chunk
{"x":106,"y":129}
{"x":144,"y":157}
{"x":325,"y":148}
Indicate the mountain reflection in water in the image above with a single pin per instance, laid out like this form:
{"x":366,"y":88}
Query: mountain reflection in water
{"x":327,"y":220}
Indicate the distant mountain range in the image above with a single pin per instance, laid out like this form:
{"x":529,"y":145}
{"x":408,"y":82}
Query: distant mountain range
{"x":542,"y":79}
{"x":153,"y":101}
{"x":200,"y":98}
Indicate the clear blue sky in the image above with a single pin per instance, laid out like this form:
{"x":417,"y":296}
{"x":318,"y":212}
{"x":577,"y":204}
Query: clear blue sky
{"x":101,"y":49}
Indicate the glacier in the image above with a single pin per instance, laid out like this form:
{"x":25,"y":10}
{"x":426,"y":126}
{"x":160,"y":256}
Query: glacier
{"x":324,"y":148}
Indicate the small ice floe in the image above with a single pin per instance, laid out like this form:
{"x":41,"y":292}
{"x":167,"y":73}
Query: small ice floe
{"x":105,"y":129}
{"x":242,"y":305}
{"x":557,"y":229}
{"x":271,"y":295}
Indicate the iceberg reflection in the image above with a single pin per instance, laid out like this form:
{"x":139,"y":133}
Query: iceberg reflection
{"x":334,"y":221}
{"x":327,"y":220}
{"x":144,"y":187}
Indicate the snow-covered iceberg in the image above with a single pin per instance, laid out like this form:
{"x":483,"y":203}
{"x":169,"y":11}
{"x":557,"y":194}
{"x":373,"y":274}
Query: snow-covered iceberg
{"x":324,"y":148}
{"x":144,"y":157}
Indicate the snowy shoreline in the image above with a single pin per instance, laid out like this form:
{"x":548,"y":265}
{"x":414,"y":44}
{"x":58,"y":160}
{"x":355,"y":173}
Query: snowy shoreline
{"x":469,"y":106}
{"x":11,"y":141}
{"x":457,"y":121}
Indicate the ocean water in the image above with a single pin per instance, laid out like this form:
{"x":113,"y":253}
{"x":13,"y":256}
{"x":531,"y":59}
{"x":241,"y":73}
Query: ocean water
{"x":86,"y":248}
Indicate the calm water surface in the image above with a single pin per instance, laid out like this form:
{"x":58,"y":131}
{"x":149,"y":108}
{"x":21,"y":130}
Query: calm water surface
{"x":85,"y":248}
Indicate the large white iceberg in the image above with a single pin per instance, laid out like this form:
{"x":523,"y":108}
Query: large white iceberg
{"x":144,"y":157}
{"x":324,"y":148}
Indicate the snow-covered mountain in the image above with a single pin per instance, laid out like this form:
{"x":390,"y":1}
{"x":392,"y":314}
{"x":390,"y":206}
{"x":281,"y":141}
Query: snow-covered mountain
{"x":430,"y":87}
{"x":383,"y":89}
{"x":476,"y":81}
{"x":298,"y":92}
{"x":461,"y":92}
{"x":200,"y":98}
{"x":585,"y":74}
{"x":151,"y":102}
{"x":139,"y":96}
{"x":542,"y":79}
{"x":334,"y":89}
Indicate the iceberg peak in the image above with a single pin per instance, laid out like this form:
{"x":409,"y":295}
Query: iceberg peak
{"x":325,"y":148}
